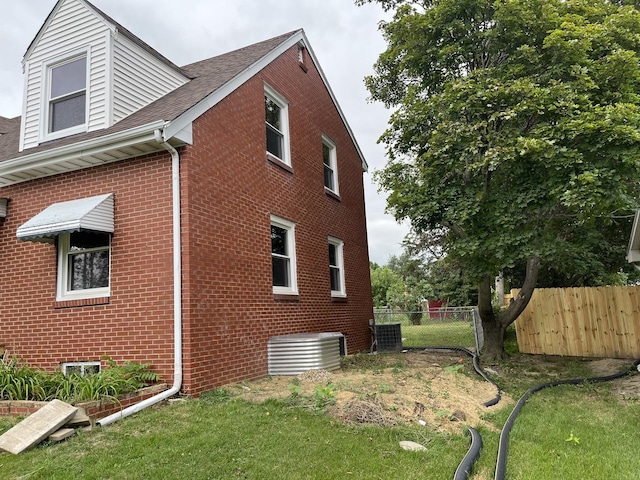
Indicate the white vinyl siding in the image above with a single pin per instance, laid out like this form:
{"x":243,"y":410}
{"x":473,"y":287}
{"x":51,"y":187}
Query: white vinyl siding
{"x":122,"y":77}
{"x":138,"y":78}
{"x":73,"y":28}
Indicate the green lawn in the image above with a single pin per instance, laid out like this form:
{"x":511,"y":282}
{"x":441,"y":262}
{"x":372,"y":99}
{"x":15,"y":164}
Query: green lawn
{"x":438,"y":334}
{"x":199,"y":439}
{"x":581,"y":432}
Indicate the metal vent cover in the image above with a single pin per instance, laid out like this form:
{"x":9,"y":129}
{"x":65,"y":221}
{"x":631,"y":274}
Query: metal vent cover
{"x":299,"y":352}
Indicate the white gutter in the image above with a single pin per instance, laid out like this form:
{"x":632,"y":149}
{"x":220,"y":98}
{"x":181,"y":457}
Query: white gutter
{"x":177,"y":295}
{"x":84,"y":148}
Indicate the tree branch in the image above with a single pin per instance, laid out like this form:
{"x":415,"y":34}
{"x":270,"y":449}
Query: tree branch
{"x":519,"y":303}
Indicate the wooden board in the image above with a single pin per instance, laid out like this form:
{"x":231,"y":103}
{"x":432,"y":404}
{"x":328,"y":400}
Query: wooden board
{"x":36,"y":427}
{"x":62,"y":434}
{"x":583,"y":322}
{"x":79,"y":419}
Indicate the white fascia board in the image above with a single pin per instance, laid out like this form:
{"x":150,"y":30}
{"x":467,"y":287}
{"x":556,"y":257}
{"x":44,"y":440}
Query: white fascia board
{"x":225,"y":90}
{"x":49,"y":19}
{"x":179,"y":123}
{"x":86,"y":148}
{"x":633,"y":250}
{"x":44,"y":26}
{"x":365,"y":166}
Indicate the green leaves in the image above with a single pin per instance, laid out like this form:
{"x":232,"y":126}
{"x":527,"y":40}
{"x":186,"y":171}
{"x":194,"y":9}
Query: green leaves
{"x":517,"y":124}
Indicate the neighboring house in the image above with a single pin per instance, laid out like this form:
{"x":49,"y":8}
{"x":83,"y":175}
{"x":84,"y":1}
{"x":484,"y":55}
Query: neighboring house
{"x":152,"y":209}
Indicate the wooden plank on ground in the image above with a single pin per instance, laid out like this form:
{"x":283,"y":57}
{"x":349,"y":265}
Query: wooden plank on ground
{"x":36,"y":427}
{"x":62,"y":434}
{"x":79,"y":419}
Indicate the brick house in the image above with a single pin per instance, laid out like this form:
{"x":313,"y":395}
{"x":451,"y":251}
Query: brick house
{"x":178,"y":216}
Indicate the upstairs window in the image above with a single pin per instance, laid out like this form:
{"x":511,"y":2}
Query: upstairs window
{"x":277,"y":123}
{"x":330,"y":165}
{"x":67,"y":95}
{"x":283,"y":256}
{"x":336,"y":267}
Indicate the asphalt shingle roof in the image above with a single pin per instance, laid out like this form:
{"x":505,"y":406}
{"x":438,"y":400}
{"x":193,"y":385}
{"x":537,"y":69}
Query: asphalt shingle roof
{"x":206,"y":77}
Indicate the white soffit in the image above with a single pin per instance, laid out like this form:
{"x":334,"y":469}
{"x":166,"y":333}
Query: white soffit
{"x":92,"y":213}
{"x":633,"y":251}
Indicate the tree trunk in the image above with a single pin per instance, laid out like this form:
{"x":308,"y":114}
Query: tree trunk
{"x":494,"y":324}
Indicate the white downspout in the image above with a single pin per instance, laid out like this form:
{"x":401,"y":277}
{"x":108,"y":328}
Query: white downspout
{"x":177,"y":295}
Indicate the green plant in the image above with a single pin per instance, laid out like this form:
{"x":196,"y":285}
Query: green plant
{"x":572,"y":438}
{"x":295,"y":395}
{"x":21,"y":382}
{"x":386,"y":388}
{"x":324,"y":395}
{"x":454,"y":368}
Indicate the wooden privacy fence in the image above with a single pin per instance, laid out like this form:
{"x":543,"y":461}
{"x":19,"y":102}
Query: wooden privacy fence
{"x":584,"y":322}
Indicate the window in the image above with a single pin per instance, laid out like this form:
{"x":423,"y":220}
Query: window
{"x":66,"y":96}
{"x":330,"y":165}
{"x":336,"y":267}
{"x":277,"y":122}
{"x":80,"y":368}
{"x":302,"y":57}
{"x":283,"y":256}
{"x":83,"y":265}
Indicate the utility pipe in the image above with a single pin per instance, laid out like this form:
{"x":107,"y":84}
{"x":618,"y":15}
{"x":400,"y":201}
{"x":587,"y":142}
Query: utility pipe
{"x":177,"y":294}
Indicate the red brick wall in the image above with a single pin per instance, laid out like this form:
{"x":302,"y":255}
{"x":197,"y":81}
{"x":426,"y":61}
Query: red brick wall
{"x":229,"y":191}
{"x":232,"y":190}
{"x":135,"y":322}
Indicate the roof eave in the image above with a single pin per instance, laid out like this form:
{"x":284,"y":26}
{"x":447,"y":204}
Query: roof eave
{"x":89,"y":153}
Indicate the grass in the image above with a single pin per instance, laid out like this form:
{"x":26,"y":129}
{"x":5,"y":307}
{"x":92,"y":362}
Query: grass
{"x":584,"y":431}
{"x":454,"y":329}
{"x":228,"y":438}
{"x":438,"y":334}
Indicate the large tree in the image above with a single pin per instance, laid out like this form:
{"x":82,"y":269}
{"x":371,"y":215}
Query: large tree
{"x":516,"y":132}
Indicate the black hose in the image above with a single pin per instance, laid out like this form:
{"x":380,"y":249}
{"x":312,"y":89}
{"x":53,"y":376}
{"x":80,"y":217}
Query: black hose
{"x":478,"y":369}
{"x":464,"y":469}
{"x":501,"y":464}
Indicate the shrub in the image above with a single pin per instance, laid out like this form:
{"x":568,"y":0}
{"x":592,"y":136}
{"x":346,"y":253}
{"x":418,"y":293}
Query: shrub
{"x":21,"y":382}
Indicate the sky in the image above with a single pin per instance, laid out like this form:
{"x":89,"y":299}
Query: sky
{"x":344,"y":37}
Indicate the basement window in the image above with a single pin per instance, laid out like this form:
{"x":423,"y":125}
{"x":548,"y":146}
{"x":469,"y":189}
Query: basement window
{"x":80,"y":368}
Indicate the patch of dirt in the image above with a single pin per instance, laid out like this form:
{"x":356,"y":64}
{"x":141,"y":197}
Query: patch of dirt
{"x":627,"y":387}
{"x":440,"y":390}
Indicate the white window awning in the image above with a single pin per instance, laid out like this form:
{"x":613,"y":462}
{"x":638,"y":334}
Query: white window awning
{"x":92,"y":213}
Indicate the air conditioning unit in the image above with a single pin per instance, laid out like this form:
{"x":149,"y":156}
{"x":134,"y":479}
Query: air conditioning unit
{"x":388,"y":337}
{"x":299,"y":352}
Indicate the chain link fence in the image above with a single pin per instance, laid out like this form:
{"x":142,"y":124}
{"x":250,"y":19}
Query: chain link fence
{"x":436,"y":327}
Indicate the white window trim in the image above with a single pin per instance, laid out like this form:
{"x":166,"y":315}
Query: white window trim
{"x":291,"y":253}
{"x":63,"y":292}
{"x":339,"y":244}
{"x":82,"y":366}
{"x":47,"y":67}
{"x":279,"y":100}
{"x":333,"y":163}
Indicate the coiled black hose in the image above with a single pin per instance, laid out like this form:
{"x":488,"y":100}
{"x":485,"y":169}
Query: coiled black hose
{"x":501,"y":464}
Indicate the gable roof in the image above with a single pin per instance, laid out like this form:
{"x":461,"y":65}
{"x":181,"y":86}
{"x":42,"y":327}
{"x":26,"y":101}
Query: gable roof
{"x":211,"y":81}
{"x":207,"y":76}
{"x":113,"y":26}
